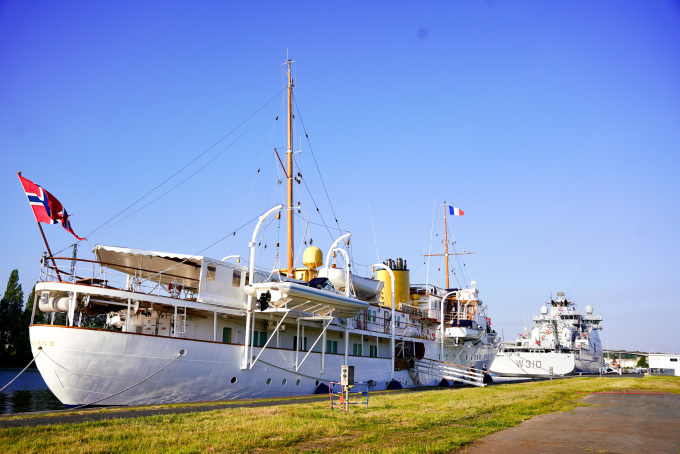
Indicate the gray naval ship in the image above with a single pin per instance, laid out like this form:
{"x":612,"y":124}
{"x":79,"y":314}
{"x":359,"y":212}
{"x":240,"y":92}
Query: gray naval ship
{"x":562,"y":342}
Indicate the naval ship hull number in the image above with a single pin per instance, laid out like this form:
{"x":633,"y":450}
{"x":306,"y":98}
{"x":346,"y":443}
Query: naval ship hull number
{"x":530,"y":364}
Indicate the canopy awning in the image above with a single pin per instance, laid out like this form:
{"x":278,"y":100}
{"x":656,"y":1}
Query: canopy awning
{"x":158,"y":266}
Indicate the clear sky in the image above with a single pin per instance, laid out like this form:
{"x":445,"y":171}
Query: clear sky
{"x":554,"y":125}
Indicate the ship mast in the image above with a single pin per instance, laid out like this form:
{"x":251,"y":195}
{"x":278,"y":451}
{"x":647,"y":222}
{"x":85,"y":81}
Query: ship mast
{"x":289,"y":155}
{"x":446,"y":248}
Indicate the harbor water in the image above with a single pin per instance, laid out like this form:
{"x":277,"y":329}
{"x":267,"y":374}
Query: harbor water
{"x":28,"y":393}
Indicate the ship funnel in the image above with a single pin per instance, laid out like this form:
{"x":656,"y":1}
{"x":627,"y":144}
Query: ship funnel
{"x":401,"y":283}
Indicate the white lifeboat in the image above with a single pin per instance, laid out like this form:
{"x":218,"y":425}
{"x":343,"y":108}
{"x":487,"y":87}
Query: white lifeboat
{"x":308,"y":299}
{"x":364,"y":288}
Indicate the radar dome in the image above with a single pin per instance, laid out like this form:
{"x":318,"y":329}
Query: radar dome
{"x":589,"y":309}
{"x":312,"y":258}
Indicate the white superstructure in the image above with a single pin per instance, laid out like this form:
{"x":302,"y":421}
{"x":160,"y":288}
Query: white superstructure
{"x":562,"y":342}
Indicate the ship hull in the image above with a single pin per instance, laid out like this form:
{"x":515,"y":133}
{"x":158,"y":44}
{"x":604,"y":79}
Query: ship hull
{"x":532,"y":364}
{"x":544,"y":364}
{"x":87,"y":366}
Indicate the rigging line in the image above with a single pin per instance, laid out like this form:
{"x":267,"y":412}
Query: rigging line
{"x":434,"y":209}
{"x":315,"y":162}
{"x":265,"y":230}
{"x":264,"y":154}
{"x":461,"y":267}
{"x":232,"y":233}
{"x":304,"y":235}
{"x":186,"y":165}
{"x":322,"y":225}
{"x":304,"y":181}
{"x":181,"y":182}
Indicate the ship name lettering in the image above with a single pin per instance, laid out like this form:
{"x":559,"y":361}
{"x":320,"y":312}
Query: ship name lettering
{"x":42,"y":343}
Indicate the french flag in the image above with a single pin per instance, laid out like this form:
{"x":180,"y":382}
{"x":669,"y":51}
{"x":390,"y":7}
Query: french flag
{"x":453,"y":211}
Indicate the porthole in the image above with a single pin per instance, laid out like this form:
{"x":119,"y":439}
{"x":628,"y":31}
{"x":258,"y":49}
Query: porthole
{"x":233,"y":380}
{"x":269,"y":381}
{"x":297,"y":383}
{"x":283,"y":382}
{"x":317,"y":383}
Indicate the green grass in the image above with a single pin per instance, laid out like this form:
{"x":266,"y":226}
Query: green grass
{"x":419,"y":422}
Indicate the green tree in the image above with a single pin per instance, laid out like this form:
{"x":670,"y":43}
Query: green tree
{"x":40,"y":317}
{"x":642,"y":362}
{"x":11,"y":323}
{"x":23,"y":345}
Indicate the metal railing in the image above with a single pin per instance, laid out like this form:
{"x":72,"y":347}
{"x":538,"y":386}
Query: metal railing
{"x":450,"y":371}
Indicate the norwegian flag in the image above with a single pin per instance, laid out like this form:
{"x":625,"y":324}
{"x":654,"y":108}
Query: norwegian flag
{"x":46,"y":207}
{"x":453,"y":211}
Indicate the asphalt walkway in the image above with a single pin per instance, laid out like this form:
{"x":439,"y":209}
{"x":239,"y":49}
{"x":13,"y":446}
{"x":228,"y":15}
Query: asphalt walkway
{"x":624,"y":422}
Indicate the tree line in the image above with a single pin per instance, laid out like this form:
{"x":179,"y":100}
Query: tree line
{"x":15,"y":316}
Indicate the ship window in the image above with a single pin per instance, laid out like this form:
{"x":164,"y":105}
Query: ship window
{"x":675,"y":360}
{"x":236,"y":278}
{"x":302,"y":347}
{"x":373,"y":351}
{"x":331,"y":346}
{"x":283,"y":382}
{"x":269,"y":381}
{"x":259,"y":338}
{"x":226,"y":335}
{"x":356,"y":350}
{"x":210,"y":275}
{"x":297,"y":382}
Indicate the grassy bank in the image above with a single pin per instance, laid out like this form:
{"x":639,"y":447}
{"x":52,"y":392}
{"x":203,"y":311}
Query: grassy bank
{"x":426,"y":421}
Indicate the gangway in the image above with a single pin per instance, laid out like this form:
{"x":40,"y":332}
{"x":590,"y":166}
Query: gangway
{"x":449,"y":371}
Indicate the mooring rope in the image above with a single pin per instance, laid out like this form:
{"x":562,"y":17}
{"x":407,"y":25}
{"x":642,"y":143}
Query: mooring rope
{"x":293,"y":372}
{"x":181,"y":353}
{"x":39,"y":352}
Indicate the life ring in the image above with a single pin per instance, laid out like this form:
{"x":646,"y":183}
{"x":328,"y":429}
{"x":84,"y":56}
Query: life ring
{"x":432,"y":336}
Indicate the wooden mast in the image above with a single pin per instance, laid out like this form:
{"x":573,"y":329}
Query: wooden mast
{"x":446,"y":249}
{"x":290,"y":169}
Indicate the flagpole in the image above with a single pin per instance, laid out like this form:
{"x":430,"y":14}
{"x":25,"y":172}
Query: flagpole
{"x":43,"y":237}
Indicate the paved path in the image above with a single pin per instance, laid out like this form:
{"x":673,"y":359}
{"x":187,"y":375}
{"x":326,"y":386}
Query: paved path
{"x":614,"y":423}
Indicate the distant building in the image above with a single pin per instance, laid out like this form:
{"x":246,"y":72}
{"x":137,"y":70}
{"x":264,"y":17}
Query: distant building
{"x":664,"y":364}
{"x":623,"y":359}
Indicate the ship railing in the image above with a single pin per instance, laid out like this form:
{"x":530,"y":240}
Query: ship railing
{"x":381,"y":326}
{"x":410,"y":309}
{"x":100,"y":274}
{"x":450,"y":371}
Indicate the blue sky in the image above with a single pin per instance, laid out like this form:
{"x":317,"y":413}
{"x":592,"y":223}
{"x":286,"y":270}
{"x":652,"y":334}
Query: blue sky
{"x":554,"y":125}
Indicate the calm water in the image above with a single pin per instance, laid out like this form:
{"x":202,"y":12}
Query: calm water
{"x":28,"y":392}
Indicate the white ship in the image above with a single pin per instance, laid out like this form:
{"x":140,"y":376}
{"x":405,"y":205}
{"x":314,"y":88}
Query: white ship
{"x":183,"y":328}
{"x":561,"y":342}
